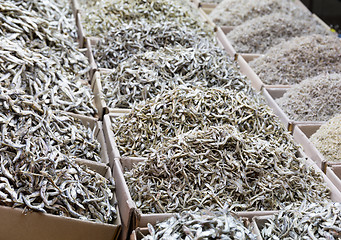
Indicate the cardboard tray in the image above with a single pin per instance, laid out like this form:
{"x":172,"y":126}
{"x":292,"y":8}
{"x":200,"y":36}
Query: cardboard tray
{"x":334,"y":174}
{"x":97,"y":126}
{"x":16,"y":225}
{"x":138,"y":219}
{"x":302,"y":133}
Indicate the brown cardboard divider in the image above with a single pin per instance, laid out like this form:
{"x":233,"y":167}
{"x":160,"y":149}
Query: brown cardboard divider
{"x":96,"y":87}
{"x":89,"y":53}
{"x":80,"y":30}
{"x":248,"y":57}
{"x":75,"y":7}
{"x":334,"y":174}
{"x":16,"y":224}
{"x":98,"y":132}
{"x":288,"y":123}
{"x":206,"y":18}
{"x":245,"y":69}
{"x":221,"y":37}
{"x":227,"y":29}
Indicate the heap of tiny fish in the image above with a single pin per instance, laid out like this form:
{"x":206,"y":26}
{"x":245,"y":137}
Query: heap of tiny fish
{"x":34,"y":128}
{"x":200,"y":225}
{"x":259,"y":34}
{"x":53,"y":183}
{"x":327,"y":139}
{"x":186,"y":108}
{"x":146,"y":75}
{"x":129,"y":39}
{"x":236,"y":12}
{"x":207,"y":169}
{"x":44,"y":78}
{"x":313,"y":99}
{"x":299,"y":58}
{"x":309,"y":221}
{"x":101,"y":17}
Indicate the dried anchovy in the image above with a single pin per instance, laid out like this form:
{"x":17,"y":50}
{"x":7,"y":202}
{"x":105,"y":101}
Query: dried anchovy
{"x":54,"y":184}
{"x":130,"y":39}
{"x":36,"y":129}
{"x":39,"y":34}
{"x":327,"y":139}
{"x":313,"y":99}
{"x":58,"y":13}
{"x":259,"y":34}
{"x":143,"y":76}
{"x":299,"y":58}
{"x":44,"y":78}
{"x":235,"y":12}
{"x":221,"y":165}
{"x":186,"y":108}
{"x":201,"y":225}
{"x":310,"y":221}
{"x":103,"y":16}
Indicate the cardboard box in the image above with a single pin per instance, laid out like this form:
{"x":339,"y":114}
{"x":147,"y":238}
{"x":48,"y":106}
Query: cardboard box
{"x":138,"y":219}
{"x":16,"y":225}
{"x":334,"y":174}
{"x":227,"y":29}
{"x":97,"y":126}
{"x":245,"y":69}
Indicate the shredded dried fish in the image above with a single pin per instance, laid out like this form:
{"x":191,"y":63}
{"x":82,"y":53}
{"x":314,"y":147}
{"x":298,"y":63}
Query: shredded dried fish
{"x":37,"y":129}
{"x":186,"y":108}
{"x":259,"y":34}
{"x":201,"y":225}
{"x":327,"y":139}
{"x":103,"y":16}
{"x":299,"y":58}
{"x":144,"y":76}
{"x":221,"y":165}
{"x":130,"y":39}
{"x":309,"y":221}
{"x":236,"y":12}
{"x":313,"y":99}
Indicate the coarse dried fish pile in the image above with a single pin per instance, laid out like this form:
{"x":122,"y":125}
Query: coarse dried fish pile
{"x":130,"y":39}
{"x":207,"y":169}
{"x":146,"y":75}
{"x":310,"y":221}
{"x":200,"y":225}
{"x":236,"y":12}
{"x":32,"y":128}
{"x":259,"y":34}
{"x":54,"y":184}
{"x":327,"y":139}
{"x":185,"y":108}
{"x":313,"y":99}
{"x":299,"y":58}
{"x":44,"y":78}
{"x":102,"y":17}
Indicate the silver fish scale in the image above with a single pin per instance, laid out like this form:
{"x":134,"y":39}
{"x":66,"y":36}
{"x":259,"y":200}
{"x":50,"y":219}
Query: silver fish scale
{"x":36,"y":128}
{"x":146,"y":75}
{"x":129,"y":39}
{"x":200,"y":225}
{"x":309,"y":221}
{"x":219,"y":165}
{"x":186,"y":108}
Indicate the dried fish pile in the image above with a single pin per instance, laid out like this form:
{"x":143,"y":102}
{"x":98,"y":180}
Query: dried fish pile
{"x":185,"y":108}
{"x":33,"y":128}
{"x":101,"y":17}
{"x":54,"y":184}
{"x":299,"y":58}
{"x":259,"y":34}
{"x":201,"y":225}
{"x":146,"y":75}
{"x":221,"y":165}
{"x":236,"y":12}
{"x":44,"y":78}
{"x":310,"y":221}
{"x":328,"y":139}
{"x":313,"y":99}
{"x":130,"y":39}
